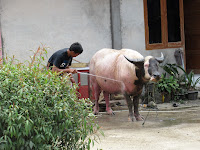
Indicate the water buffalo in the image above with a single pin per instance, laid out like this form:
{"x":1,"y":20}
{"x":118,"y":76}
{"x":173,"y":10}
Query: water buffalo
{"x":122,"y":71}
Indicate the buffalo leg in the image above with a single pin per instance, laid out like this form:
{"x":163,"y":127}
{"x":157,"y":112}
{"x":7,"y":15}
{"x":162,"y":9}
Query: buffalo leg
{"x":97,"y":92}
{"x":130,"y":107}
{"x":107,"y":99}
{"x":138,"y":117}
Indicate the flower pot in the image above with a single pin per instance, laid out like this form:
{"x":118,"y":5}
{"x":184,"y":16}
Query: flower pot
{"x":180,"y":96}
{"x":192,"y":95}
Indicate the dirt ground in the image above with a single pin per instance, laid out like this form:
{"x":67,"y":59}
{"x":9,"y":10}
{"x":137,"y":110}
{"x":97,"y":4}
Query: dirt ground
{"x":165,"y":129}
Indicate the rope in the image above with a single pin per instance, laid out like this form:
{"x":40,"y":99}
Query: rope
{"x":99,"y":76}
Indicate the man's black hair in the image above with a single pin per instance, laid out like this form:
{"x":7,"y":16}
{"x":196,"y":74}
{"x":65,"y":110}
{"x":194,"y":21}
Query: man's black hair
{"x":76,"y":47}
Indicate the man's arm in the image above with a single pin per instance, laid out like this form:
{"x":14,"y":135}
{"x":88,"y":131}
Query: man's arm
{"x":67,"y":70}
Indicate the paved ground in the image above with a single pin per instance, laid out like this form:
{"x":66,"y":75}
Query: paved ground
{"x":169,"y":128}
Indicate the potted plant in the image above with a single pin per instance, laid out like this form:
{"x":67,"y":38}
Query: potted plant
{"x":173,"y":70}
{"x":167,"y":86}
{"x":186,"y":81}
{"x":191,"y":83}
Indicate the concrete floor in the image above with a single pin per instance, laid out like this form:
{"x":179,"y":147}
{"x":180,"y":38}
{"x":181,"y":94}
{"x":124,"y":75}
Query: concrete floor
{"x":166,"y":129}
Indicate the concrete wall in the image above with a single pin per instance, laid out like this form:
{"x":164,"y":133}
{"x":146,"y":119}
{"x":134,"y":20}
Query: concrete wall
{"x":56,"y":24}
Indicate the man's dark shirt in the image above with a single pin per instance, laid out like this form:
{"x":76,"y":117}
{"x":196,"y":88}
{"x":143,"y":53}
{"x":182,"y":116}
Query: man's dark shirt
{"x":60,"y":59}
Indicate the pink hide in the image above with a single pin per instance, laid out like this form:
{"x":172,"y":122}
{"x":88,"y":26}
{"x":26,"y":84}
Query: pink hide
{"x":117,"y":74}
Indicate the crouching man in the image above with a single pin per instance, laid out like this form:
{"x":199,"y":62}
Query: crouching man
{"x":61,"y":60}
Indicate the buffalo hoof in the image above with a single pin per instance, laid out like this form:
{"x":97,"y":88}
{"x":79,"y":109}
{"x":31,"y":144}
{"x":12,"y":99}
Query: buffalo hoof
{"x":131,"y":119}
{"x":110,"y":112}
{"x":139,"y":117}
{"x":95,"y":112}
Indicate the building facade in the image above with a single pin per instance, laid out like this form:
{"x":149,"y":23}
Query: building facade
{"x":148,"y":26}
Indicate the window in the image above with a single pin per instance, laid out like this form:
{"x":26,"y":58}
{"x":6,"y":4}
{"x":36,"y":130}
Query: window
{"x":163,"y":24}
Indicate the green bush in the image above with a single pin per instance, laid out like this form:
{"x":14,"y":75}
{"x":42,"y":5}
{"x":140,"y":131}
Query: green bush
{"x":184,"y":77}
{"x":167,"y":85}
{"x":40,"y":109}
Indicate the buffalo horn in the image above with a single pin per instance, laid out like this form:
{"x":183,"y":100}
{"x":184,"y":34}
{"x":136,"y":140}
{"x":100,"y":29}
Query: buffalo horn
{"x":160,"y":59}
{"x":137,"y":62}
{"x":134,"y":60}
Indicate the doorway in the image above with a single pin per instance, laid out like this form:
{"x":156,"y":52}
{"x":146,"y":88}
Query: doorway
{"x":192,"y":34}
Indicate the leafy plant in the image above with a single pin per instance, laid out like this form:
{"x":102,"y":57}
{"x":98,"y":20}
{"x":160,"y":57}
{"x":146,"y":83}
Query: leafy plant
{"x":187,"y":78}
{"x":190,"y":80}
{"x":40,"y":109}
{"x":167,"y":85}
{"x":172,"y":70}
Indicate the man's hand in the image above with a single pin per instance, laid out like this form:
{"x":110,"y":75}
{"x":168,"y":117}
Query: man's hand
{"x":67,"y":70}
{"x":73,"y":71}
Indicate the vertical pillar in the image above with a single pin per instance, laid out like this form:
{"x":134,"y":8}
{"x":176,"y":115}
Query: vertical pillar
{"x":115,"y":24}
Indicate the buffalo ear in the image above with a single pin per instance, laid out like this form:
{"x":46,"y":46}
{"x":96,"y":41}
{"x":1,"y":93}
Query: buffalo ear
{"x":160,"y":59}
{"x":137,"y":62}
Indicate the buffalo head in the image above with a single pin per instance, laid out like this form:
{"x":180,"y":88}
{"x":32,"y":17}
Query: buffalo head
{"x":148,"y":67}
{"x":151,"y":67}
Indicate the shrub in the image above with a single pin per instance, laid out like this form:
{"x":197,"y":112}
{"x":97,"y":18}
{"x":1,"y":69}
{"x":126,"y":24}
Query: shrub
{"x":190,"y":82}
{"x":40,"y":109}
{"x":187,"y":78}
{"x":167,"y":85}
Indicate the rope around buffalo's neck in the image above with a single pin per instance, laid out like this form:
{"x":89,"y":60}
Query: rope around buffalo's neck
{"x":99,"y":76}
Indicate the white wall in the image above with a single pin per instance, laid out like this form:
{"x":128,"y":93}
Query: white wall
{"x":56,"y":24}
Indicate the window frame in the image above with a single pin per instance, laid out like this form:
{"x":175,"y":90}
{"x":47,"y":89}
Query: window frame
{"x":164,"y":28}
